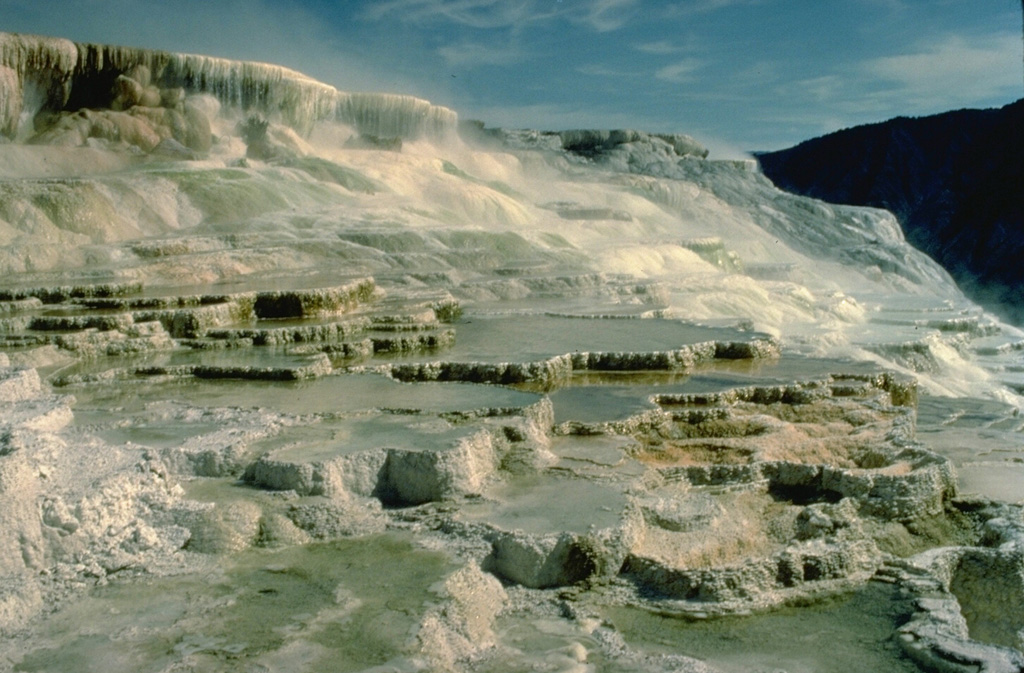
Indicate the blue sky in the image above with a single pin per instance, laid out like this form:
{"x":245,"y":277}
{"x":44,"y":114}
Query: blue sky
{"x":736,"y":74}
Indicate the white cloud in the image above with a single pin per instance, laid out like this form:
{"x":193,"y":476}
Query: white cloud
{"x":696,"y":7}
{"x":821,"y":89}
{"x":949,"y":73}
{"x":680,"y":72}
{"x":471,"y":13}
{"x":608,"y":15}
{"x":598,"y":70}
{"x":952,"y":70}
{"x":599,"y":15}
{"x":661,"y":47}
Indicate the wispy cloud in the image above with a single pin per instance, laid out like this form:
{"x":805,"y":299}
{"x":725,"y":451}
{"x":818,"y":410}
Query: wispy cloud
{"x":599,"y":15}
{"x":951,"y":72}
{"x":681,"y":72}
{"x":661,"y":48}
{"x":755,"y":75}
{"x":697,"y":7}
{"x":470,"y":13}
{"x":599,"y":70}
{"x":608,"y":15}
{"x":821,"y":89}
{"x":890,"y":5}
{"x":473,"y":54}
{"x":951,"y":69}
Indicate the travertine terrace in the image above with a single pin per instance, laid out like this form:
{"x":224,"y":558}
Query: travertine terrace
{"x":293,"y":379}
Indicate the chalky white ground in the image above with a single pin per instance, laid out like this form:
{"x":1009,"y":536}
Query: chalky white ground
{"x":391,"y":393}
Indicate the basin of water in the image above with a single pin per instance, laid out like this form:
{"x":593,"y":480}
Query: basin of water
{"x":347,"y":605}
{"x":984,"y":440}
{"x":326,"y":395}
{"x":531,"y":337}
{"x":600,"y":451}
{"x":526,"y":503}
{"x":337,"y":437}
{"x":1000,"y":481}
{"x":853,"y":632}
{"x":594,"y":397}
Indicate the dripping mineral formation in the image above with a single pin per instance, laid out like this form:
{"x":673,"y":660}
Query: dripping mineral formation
{"x":293,"y":379}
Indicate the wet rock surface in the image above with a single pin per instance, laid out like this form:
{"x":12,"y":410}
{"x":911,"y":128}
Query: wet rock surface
{"x":694,"y":499}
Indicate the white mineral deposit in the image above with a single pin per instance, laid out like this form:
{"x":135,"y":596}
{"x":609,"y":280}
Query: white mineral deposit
{"x":295,"y":379}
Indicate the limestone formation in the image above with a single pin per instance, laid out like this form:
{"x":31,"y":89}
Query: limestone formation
{"x":151,"y":79}
{"x":291,"y":377}
{"x":745,"y":497}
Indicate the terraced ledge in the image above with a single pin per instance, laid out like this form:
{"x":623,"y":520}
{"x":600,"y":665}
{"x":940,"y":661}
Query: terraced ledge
{"x":45,"y":323}
{"x":545,"y":373}
{"x":902,"y":391}
{"x":314,"y":303}
{"x":695,"y":504}
{"x":57,"y":294}
{"x":413,"y":343}
{"x":317,"y":366}
{"x":278,"y":336}
{"x":558,"y":369}
{"x":207,"y":312}
{"x":95,"y":321}
{"x":558,"y":559}
{"x":183,"y":316}
{"x":397,"y":477}
{"x":827,"y":465}
{"x":968,"y":599}
{"x":800,"y":569}
{"x":310,"y":367}
{"x":91,"y":342}
{"x":438,"y":457}
{"x":193,"y":322}
{"x":20,"y":306}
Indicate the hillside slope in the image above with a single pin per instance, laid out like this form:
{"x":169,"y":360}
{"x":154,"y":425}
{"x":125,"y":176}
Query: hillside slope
{"x":953,"y":180}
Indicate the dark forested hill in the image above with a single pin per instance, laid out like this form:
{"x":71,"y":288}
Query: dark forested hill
{"x":954,"y":180}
